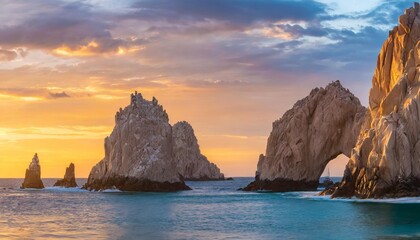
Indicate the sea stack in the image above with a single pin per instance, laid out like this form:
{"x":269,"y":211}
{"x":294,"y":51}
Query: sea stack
{"x":69,"y":180}
{"x":316,"y":130}
{"x":33,"y":175}
{"x":191,"y":164}
{"x":386,"y":160}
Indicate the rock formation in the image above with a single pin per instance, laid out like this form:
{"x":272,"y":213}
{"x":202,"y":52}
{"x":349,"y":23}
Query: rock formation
{"x":144,"y":152}
{"x":69,"y":180}
{"x":191,"y":164}
{"x":33,"y":175}
{"x":386,"y":160}
{"x":316,"y":130}
{"x":138,"y":153}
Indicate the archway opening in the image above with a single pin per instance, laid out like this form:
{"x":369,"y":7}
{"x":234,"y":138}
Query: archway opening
{"x":335,"y":169}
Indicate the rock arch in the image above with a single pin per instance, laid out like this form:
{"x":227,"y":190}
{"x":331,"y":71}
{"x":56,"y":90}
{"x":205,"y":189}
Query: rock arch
{"x":315,"y":131}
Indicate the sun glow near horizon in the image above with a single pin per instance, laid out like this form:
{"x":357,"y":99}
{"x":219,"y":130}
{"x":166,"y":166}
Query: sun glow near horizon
{"x":66,"y":67}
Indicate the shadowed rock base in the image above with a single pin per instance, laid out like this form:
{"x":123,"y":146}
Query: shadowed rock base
{"x":281,"y":185}
{"x":135,"y":185}
{"x":403,"y":188}
{"x":67,"y":183}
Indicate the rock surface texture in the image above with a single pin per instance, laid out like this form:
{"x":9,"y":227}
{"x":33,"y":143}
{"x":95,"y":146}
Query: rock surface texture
{"x":33,"y":175}
{"x":316,"y":130}
{"x":69,"y":180}
{"x":142,"y":152}
{"x":386,"y":160}
{"x":191,"y":164}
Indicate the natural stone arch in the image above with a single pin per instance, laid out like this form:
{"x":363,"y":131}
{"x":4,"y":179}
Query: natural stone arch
{"x":316,"y":130}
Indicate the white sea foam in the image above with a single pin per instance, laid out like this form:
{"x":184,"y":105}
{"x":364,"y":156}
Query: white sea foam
{"x":111,"y":191}
{"x":63,"y":189}
{"x":315,"y":196}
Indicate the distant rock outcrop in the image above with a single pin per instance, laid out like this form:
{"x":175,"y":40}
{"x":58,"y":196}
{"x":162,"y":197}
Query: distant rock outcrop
{"x":386,"y":159}
{"x":69,"y":180}
{"x":33,"y":175}
{"x":191,"y":164}
{"x":316,"y":130}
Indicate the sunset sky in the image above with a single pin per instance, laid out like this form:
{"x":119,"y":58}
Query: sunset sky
{"x":229,"y":67}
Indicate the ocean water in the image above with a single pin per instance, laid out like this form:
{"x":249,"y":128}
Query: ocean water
{"x":212,"y":210}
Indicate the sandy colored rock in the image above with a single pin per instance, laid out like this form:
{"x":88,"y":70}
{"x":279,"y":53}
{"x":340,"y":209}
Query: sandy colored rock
{"x":316,"y":130}
{"x":138,"y":153}
{"x":69,"y":180}
{"x":33,"y":175}
{"x":386,"y":160}
{"x":191,"y":164}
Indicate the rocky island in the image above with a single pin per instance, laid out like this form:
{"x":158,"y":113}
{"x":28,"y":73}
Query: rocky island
{"x":33,"y":175}
{"x":145,"y":153}
{"x":386,"y":159}
{"x":69,"y":180}
{"x":316,"y":130}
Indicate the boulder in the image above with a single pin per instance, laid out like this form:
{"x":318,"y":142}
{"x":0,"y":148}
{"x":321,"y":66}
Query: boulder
{"x":69,"y":180}
{"x":33,"y":175}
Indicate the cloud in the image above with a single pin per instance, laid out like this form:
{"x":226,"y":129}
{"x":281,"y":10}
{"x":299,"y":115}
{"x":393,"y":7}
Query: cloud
{"x":68,"y":29}
{"x":59,"y":95}
{"x":9,"y":55}
{"x":238,"y":12}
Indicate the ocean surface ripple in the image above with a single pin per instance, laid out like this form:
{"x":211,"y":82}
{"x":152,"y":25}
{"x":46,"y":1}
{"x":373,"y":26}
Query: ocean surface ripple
{"x":212,"y":210}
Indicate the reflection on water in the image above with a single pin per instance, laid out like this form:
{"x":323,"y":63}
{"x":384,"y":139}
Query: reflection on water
{"x":213,"y":210}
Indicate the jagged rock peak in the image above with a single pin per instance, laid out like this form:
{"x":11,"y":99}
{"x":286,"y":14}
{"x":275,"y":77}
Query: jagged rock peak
{"x":386,"y":159}
{"x":191,"y":164}
{"x":141,"y":108}
{"x":138,"y":153}
{"x":317,"y":129}
{"x":33,"y":174}
{"x":69,"y":179}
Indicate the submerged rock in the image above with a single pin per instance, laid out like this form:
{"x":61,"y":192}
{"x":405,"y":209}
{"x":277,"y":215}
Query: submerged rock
{"x":33,"y":175}
{"x":138,"y":153}
{"x":316,"y":130}
{"x":191,"y":164}
{"x":69,"y":180}
{"x":386,"y":160}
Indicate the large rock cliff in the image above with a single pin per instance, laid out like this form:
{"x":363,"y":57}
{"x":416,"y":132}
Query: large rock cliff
{"x":138,"y":153}
{"x":386,"y":159}
{"x":316,"y":130}
{"x":144,"y":152}
{"x":69,"y":180}
{"x":33,"y":175}
{"x":191,"y":164}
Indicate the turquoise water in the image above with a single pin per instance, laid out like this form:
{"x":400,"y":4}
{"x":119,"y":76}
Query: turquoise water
{"x":212,"y":210}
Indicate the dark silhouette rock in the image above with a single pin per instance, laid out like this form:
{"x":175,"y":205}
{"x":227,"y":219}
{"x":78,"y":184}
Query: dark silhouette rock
{"x":69,"y":180}
{"x":33,"y":175}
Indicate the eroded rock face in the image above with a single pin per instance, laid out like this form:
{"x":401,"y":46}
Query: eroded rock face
{"x":386,"y":159}
{"x":316,"y":130}
{"x":69,"y":180}
{"x":33,"y":175}
{"x":191,"y":164}
{"x":138,"y":153}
